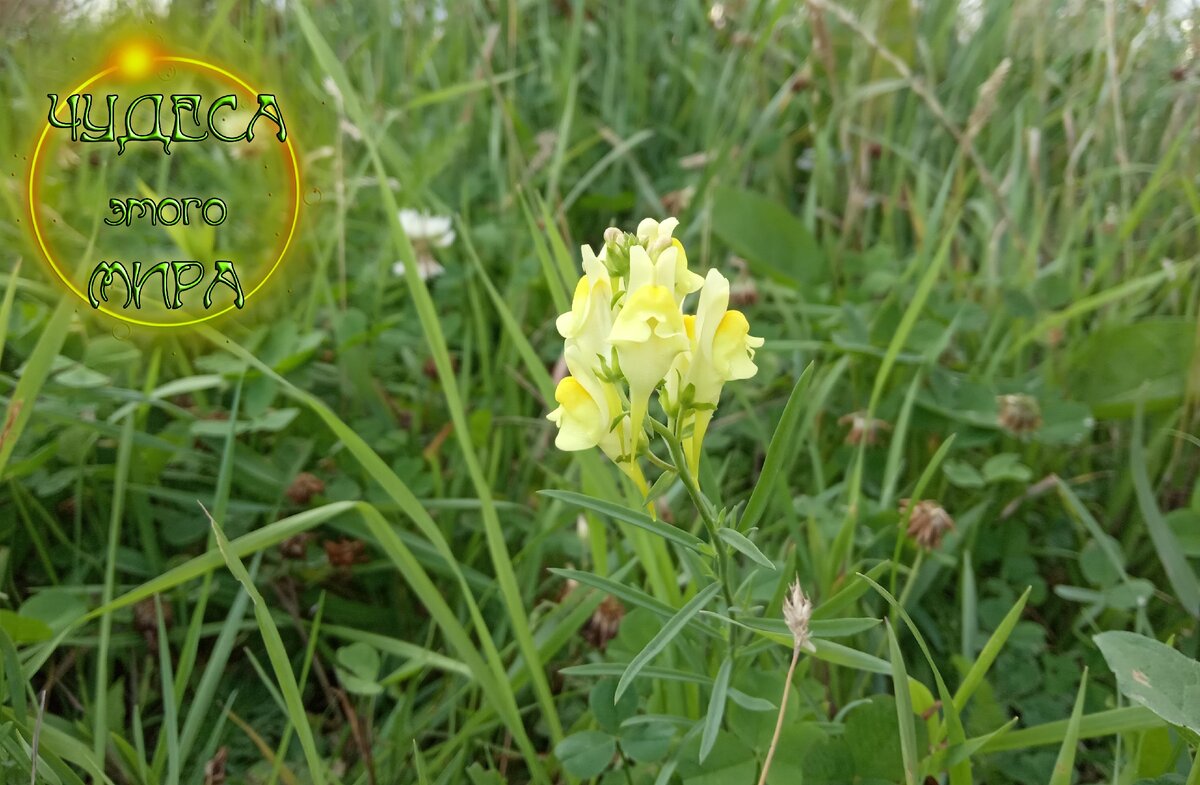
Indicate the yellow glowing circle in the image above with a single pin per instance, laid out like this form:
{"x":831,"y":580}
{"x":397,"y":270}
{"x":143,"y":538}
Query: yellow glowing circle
{"x":136,"y":60}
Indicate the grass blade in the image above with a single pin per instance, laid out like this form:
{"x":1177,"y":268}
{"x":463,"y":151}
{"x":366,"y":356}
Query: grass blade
{"x":781,"y":452}
{"x":904,"y":709}
{"x":991,"y":650}
{"x":1065,"y":764}
{"x":1166,"y":544}
{"x":278,"y":655}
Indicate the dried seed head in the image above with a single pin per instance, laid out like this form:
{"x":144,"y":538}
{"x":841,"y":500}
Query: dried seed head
{"x":928,"y":524}
{"x":304,"y":487}
{"x":797,"y":612}
{"x":66,"y":509}
{"x":1019,"y":414}
{"x":743,"y":292}
{"x":675,"y":202}
{"x":605,"y":623}
{"x":296,"y":546}
{"x":568,"y":587}
{"x":214,"y":769}
{"x":986,"y":102}
{"x":863,"y":429}
{"x":145,"y":619}
{"x":344,"y":553}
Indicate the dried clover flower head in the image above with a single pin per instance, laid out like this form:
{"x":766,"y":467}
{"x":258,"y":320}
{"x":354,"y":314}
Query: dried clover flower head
{"x":305,"y":486}
{"x":1019,"y":414}
{"x":797,"y":612}
{"x":928,"y":524}
{"x":863,"y":429}
{"x":605,"y":623}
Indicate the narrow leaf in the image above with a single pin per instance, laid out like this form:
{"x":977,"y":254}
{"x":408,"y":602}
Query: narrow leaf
{"x":904,"y":710}
{"x":618,"y":513}
{"x":667,"y":634}
{"x":716,"y":708}
{"x":1065,"y":763}
{"x":742,"y":544}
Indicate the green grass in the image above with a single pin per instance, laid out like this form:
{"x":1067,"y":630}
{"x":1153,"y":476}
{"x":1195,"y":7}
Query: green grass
{"x":924,"y":229}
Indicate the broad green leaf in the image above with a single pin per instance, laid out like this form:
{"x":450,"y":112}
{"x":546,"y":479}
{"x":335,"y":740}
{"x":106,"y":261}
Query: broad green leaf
{"x":1006,"y":466}
{"x":767,"y":235}
{"x":1154,"y":675}
{"x":1154,"y":358}
{"x":962,"y":474}
{"x":58,"y":608}
{"x":647,"y":742}
{"x":730,"y":761}
{"x":586,"y":754}
{"x":358,"y":668}
{"x":22,"y":629}
{"x":607,"y":709}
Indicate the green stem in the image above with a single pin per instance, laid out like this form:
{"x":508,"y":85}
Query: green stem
{"x":707,"y":514}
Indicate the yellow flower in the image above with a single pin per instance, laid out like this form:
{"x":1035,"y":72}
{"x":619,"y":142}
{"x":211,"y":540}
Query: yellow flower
{"x":584,"y":416}
{"x":578,"y":417}
{"x":721,"y":350}
{"x":656,"y":238}
{"x":589,"y":321}
{"x":626,"y":335}
{"x":648,"y":333}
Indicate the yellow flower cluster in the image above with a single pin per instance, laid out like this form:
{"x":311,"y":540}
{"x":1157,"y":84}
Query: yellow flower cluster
{"x":627,"y":336}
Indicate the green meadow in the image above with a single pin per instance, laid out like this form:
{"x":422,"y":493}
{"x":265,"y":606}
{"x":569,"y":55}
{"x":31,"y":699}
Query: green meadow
{"x":329,"y":537}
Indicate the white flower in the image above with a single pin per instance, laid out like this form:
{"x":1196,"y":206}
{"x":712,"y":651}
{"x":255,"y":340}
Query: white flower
{"x":426,"y":232}
{"x":435,"y":230}
{"x":427,"y":267}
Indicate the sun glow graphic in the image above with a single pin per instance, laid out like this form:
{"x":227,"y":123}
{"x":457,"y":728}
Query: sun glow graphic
{"x":135,"y":60}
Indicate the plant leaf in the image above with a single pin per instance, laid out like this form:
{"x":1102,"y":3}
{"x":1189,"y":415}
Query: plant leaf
{"x":742,"y":544}
{"x":1154,"y":675}
{"x":618,"y":513}
{"x":666,"y":635}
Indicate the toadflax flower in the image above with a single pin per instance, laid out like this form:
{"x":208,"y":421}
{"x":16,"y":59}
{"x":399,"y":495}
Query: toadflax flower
{"x":426,"y":232}
{"x":721,"y":350}
{"x":628,"y":335}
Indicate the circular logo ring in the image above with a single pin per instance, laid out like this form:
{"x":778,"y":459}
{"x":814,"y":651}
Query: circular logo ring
{"x":35,"y":176}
